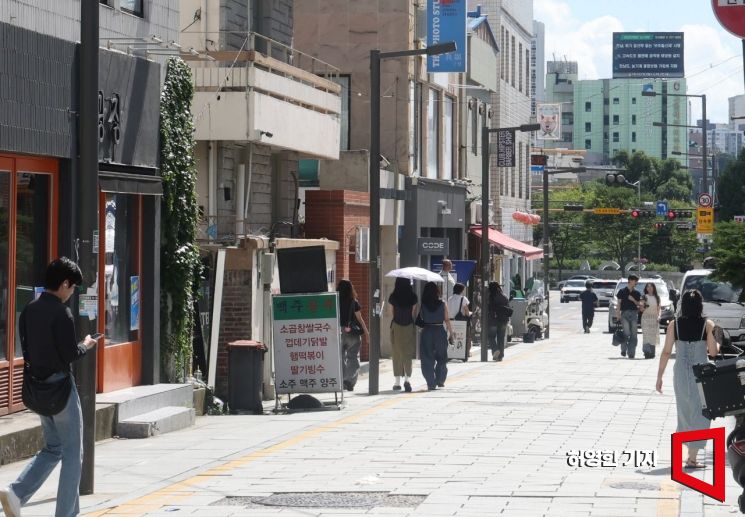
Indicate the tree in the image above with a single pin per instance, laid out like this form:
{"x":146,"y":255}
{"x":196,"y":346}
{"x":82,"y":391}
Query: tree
{"x":731,"y":189}
{"x":614,"y":235}
{"x":663,"y":179}
{"x":729,"y":254}
{"x":179,"y":257}
{"x":566,"y":231}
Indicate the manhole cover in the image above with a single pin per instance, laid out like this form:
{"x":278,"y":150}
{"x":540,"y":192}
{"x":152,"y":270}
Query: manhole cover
{"x":635,"y":485}
{"x":326,"y":500}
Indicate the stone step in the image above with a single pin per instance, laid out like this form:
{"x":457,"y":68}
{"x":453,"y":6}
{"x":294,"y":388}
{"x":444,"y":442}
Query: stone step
{"x":161,"y":421}
{"x":137,"y":400}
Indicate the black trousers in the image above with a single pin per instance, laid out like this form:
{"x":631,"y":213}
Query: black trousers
{"x":587,"y":317}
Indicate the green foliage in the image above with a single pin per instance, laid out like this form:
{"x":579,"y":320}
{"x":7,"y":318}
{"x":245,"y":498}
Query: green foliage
{"x":664,"y":179}
{"x":731,"y":189}
{"x":179,"y":260}
{"x":729,"y":254}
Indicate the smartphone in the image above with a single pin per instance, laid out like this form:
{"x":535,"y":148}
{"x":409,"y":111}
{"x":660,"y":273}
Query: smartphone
{"x":96,"y":336}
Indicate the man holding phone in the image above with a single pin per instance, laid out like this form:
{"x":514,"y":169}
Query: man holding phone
{"x":628,"y":314}
{"x":47,"y":331}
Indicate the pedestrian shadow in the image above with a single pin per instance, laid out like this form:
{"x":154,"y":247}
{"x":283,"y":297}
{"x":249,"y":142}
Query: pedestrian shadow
{"x":664,"y":471}
{"x":42,"y":501}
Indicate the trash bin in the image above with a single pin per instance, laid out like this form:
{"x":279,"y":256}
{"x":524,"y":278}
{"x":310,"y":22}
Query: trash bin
{"x":245,"y":376}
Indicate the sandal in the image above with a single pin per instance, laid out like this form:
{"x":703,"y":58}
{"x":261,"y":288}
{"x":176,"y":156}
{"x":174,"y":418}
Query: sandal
{"x":693,"y":466}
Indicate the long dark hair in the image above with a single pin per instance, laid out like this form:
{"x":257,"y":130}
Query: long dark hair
{"x":346,"y":291}
{"x":403,"y":294}
{"x":692,"y":304}
{"x":431,"y":296}
{"x":654,"y":292}
{"x":494,"y":290}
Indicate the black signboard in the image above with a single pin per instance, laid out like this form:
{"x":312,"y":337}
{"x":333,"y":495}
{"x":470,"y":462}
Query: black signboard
{"x":433,"y":246}
{"x":505,"y":148}
{"x":647,"y":55}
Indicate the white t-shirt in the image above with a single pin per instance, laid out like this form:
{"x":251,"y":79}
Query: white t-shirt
{"x":447,"y":285}
{"x":454,"y":305}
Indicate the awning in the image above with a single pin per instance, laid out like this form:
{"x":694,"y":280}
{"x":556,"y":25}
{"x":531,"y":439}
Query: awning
{"x":508,"y":243}
{"x":125,"y":183}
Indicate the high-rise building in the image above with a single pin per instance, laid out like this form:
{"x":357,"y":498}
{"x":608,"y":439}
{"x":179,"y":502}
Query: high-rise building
{"x":537,"y":65}
{"x":737,"y":112}
{"x":561,"y":77}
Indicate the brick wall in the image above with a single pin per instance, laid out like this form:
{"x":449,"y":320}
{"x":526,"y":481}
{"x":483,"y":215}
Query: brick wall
{"x":235,"y":322}
{"x":334,"y":214}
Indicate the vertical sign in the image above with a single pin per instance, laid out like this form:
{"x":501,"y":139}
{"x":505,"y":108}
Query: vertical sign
{"x":446,"y":21}
{"x":505,"y":148}
{"x":549,"y":117}
{"x":305,"y":341}
{"x":134,"y":303}
{"x":705,"y":220}
{"x":457,"y":348}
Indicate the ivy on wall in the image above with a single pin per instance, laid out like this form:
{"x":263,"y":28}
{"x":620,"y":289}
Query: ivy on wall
{"x":179,"y":256}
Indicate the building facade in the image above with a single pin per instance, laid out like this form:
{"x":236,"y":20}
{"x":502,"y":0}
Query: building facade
{"x":561,"y":76}
{"x":538,"y":65}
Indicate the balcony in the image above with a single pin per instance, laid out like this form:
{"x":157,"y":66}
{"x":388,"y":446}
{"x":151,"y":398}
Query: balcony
{"x":267,"y":93}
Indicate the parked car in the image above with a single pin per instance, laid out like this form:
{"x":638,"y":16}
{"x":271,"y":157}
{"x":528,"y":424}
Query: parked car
{"x":574,"y":277}
{"x":666,"y":314}
{"x":604,"y":289}
{"x":571,"y":290}
{"x":721,"y":303}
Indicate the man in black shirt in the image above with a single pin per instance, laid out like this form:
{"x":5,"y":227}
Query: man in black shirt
{"x":627,"y":313}
{"x":47,"y":328}
{"x":589,"y":302}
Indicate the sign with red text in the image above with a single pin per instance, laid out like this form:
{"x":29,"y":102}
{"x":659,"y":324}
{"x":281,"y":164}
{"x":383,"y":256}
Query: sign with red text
{"x":305,"y":342}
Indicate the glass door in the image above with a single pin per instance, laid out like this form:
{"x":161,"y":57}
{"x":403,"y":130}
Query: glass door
{"x":6,"y":173}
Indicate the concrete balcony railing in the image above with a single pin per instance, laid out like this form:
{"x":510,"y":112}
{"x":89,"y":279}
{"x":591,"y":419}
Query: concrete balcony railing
{"x":268,"y":93}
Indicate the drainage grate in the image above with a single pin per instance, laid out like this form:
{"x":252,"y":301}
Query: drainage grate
{"x":635,"y":485}
{"x":325,"y":500}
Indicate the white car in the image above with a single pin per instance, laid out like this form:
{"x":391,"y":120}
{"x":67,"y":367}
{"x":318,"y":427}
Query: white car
{"x":605,"y":291}
{"x":572,"y":289}
{"x":721,"y":303}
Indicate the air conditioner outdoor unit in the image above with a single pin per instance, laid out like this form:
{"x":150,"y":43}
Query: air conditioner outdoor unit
{"x":362,"y":244}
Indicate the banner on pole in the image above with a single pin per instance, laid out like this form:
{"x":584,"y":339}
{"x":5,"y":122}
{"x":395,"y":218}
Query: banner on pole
{"x":549,"y":117}
{"x":446,"y":21}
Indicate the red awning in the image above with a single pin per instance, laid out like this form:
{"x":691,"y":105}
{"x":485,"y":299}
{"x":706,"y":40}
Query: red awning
{"x":508,"y":243}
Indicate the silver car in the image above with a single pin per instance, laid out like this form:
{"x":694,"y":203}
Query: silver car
{"x":605,"y":291}
{"x":572,"y":289}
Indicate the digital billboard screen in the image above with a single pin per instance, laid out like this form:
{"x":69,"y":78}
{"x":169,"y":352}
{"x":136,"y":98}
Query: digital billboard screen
{"x":647,"y":55}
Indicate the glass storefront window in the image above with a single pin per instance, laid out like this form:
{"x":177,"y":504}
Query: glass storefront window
{"x":121,"y":268}
{"x":4,"y":237}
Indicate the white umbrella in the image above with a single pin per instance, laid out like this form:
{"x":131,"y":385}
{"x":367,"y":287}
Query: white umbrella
{"x":415,"y":273}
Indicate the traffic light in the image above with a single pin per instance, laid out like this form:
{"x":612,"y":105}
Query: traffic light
{"x":679,"y":214}
{"x":614,"y":179}
{"x":659,"y":226}
{"x":671,"y":214}
{"x":573,"y":207}
{"x":637,"y":213}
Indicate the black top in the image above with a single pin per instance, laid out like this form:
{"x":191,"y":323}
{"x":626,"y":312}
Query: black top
{"x":691,"y":329}
{"x":627,"y":305}
{"x":498,"y":305}
{"x":588,"y":300}
{"x":47,"y":327}
{"x":401,"y":312}
{"x":345,"y":317}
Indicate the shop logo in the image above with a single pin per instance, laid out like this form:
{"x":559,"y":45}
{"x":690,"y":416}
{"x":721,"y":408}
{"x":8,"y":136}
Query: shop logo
{"x":715,"y":491}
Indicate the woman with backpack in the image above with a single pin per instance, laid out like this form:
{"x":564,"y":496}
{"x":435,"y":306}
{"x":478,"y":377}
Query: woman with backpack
{"x":352,"y":329}
{"x":498,"y":318}
{"x":403,"y":303}
{"x":433,"y":346}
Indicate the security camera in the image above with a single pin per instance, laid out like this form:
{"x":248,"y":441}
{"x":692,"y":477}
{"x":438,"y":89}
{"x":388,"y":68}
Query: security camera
{"x":265,"y":133}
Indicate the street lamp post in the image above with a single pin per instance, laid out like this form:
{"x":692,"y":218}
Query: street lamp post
{"x":485,"y":265}
{"x":650,"y":93}
{"x":374,"y":299}
{"x":620,"y":179}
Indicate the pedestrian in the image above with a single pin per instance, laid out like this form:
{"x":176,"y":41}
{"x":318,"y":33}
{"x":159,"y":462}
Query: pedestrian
{"x":650,"y":321}
{"x":403,"y":303}
{"x":460,"y":310}
{"x":352,"y":329}
{"x":498,"y":318}
{"x":447,"y":278}
{"x":589,"y":302}
{"x":433,"y":345}
{"x":47,"y":332}
{"x":627,"y":313}
{"x":693,"y":336}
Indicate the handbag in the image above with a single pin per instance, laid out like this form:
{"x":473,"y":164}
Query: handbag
{"x":419,"y":322}
{"x":618,"y":336}
{"x":353,"y":326}
{"x":459,"y":316}
{"x":43,"y":398}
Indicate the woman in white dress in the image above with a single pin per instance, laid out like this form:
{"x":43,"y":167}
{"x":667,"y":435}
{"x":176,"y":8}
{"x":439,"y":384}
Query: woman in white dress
{"x":650,"y":321}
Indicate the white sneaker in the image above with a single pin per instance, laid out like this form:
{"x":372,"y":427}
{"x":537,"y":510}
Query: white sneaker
{"x":11,"y":503}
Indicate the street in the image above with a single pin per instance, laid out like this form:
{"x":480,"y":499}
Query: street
{"x":495,"y":441}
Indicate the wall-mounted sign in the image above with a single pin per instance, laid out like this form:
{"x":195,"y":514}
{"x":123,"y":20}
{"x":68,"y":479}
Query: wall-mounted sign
{"x":446,"y":22}
{"x":705,"y":220}
{"x":549,"y":117}
{"x":433,"y":246}
{"x":647,"y":55}
{"x":505,"y":148}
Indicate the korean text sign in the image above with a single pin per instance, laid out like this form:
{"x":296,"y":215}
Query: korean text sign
{"x":446,"y":22}
{"x":306,"y":343}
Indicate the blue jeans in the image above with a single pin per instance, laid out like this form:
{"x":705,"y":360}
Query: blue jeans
{"x":433,"y":354}
{"x":629,"y":321}
{"x":63,"y":437}
{"x":497,"y":335}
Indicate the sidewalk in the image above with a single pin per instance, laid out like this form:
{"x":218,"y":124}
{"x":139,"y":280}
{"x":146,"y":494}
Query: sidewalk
{"x":494,"y":441}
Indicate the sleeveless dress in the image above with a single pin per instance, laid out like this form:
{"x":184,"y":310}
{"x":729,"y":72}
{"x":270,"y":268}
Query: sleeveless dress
{"x":650,"y":324}
{"x":687,"y":397}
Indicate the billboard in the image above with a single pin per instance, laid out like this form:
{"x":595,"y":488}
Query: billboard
{"x":446,"y":21}
{"x":647,"y":55}
{"x":549,"y":117}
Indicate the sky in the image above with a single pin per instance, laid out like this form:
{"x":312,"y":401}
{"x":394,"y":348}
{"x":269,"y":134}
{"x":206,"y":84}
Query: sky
{"x":582,"y":31}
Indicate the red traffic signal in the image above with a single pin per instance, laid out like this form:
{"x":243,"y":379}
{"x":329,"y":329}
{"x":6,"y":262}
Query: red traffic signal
{"x":635,"y":213}
{"x":659,"y":226}
{"x":671,"y":214}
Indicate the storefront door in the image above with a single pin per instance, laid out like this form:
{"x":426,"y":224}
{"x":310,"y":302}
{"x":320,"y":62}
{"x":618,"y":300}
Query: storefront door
{"x":28,"y":241}
{"x":120,"y":264}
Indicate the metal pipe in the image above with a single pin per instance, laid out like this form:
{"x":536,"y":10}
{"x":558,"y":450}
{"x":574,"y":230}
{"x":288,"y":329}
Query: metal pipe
{"x":374,"y":345}
{"x":546,"y":249}
{"x":484,"y":241}
{"x":705,"y":165}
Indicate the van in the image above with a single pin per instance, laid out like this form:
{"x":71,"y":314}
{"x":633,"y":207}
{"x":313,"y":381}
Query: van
{"x":721,"y":303}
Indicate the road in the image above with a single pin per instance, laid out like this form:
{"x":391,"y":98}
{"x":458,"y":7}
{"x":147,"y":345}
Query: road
{"x":499,"y":439}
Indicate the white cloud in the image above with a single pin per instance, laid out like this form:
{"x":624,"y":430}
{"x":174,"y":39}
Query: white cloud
{"x":589,"y":42}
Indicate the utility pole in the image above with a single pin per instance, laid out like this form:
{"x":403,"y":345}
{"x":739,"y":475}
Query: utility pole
{"x":86,"y":224}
